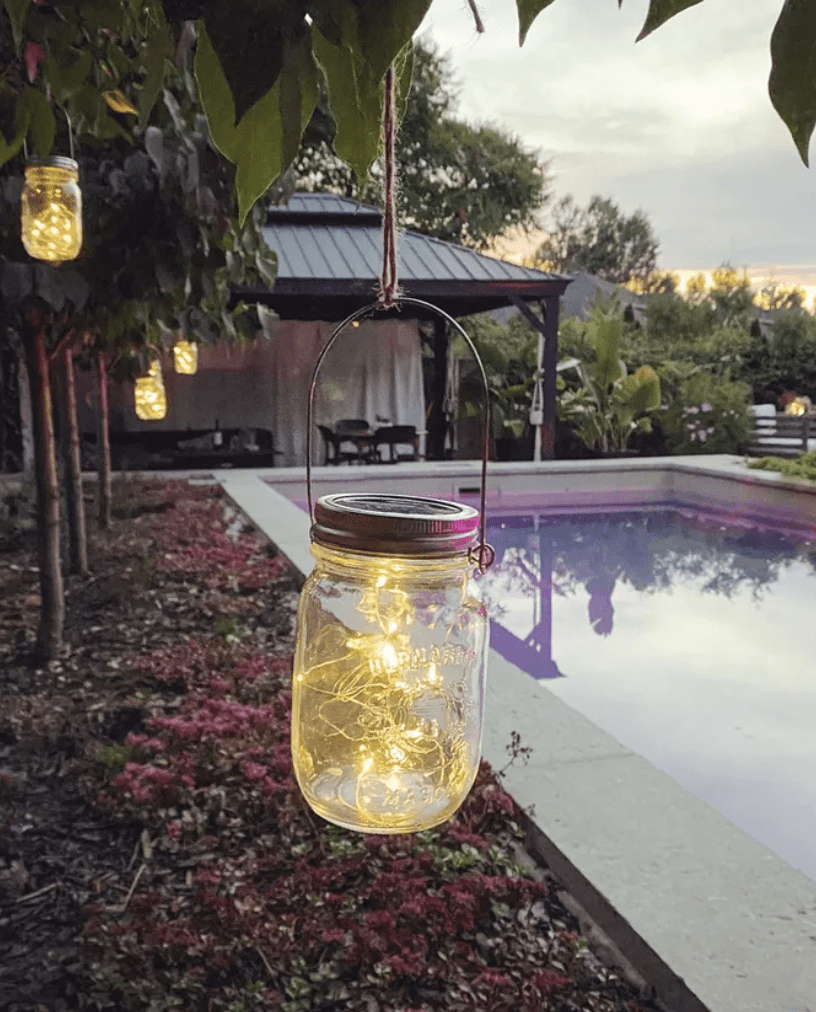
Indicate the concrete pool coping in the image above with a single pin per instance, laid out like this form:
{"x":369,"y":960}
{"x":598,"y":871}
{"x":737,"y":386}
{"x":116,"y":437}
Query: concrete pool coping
{"x":711,"y":918}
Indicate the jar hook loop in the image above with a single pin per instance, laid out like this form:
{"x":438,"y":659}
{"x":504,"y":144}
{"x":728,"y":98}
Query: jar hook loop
{"x":481,"y":555}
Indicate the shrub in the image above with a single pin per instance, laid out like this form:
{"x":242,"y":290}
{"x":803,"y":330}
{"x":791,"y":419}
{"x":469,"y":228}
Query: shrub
{"x":786,"y":361}
{"x":707,"y":416}
{"x":803,"y":466}
{"x":611,"y":404}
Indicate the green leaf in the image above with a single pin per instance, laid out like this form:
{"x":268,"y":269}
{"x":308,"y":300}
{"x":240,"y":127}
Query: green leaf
{"x":356,"y":103}
{"x":157,"y":48}
{"x":41,"y":122}
{"x":66,"y":79}
{"x":298,"y":88}
{"x":89,"y":113}
{"x":267,"y":267}
{"x":10,"y":149}
{"x":567,"y":363}
{"x":17,"y":10}
{"x":104,"y":16}
{"x":607,"y":368}
{"x":659,"y":13}
{"x":792,"y":85}
{"x":403,"y":74}
{"x":640,"y":391}
{"x":263,"y":140}
{"x":249,"y":44}
{"x":528,"y":11}
{"x":385,"y":28}
{"x":216,"y":97}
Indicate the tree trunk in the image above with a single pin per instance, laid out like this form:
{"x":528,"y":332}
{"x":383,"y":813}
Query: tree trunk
{"x":52,"y":612}
{"x":103,"y":442}
{"x":77,"y":536}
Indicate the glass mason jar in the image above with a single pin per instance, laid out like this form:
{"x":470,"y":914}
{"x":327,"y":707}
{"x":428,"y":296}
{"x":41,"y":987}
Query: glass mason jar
{"x":185,"y":357}
{"x":149,"y":395}
{"x":389,"y":669}
{"x":51,"y":214}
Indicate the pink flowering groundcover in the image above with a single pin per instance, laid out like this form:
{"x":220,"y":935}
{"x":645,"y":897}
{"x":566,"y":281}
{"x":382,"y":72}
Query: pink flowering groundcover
{"x":206,"y":883}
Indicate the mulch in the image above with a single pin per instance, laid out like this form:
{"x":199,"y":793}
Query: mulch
{"x":65,"y":858}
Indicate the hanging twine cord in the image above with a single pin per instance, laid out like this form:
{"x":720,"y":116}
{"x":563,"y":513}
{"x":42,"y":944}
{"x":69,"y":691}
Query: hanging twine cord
{"x":388,"y":280}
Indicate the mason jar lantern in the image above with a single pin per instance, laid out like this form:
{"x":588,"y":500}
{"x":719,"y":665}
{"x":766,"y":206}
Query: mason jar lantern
{"x":51,"y":211}
{"x":391,"y":651}
{"x":185,"y":357}
{"x":389,"y":670}
{"x":149,"y":396}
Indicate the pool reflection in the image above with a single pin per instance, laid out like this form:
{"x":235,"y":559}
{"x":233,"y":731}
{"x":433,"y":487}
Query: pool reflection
{"x":540,"y":556}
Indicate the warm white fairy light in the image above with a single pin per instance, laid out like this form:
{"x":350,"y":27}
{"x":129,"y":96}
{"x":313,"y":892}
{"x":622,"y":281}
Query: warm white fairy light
{"x":386,"y":723}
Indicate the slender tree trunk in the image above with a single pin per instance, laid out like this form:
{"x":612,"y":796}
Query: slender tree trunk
{"x":103,"y":442}
{"x":77,"y":536}
{"x":52,"y":613}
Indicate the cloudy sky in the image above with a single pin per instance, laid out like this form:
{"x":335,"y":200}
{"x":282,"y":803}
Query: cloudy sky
{"x":679,"y":125}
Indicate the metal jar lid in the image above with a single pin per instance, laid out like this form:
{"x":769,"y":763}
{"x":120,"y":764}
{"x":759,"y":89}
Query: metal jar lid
{"x":394,"y":524}
{"x":54,"y":162}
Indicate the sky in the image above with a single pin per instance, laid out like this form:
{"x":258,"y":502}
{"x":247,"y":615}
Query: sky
{"x":679,"y":125}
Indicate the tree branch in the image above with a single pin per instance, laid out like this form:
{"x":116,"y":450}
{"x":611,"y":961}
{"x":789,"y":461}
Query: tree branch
{"x":68,"y":338}
{"x":476,"y":16}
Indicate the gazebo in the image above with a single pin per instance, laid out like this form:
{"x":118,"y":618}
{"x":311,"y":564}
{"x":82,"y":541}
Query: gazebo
{"x":329,"y":251}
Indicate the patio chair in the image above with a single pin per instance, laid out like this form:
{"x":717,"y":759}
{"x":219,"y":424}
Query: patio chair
{"x":331,"y":445}
{"x":352,"y":425}
{"x":394,"y":436}
{"x":357,"y":432}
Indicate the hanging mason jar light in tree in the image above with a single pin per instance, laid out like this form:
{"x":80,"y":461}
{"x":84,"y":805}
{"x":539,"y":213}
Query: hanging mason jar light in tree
{"x":51,"y":212}
{"x":150,"y":398}
{"x":390,"y":654}
{"x":392,"y":633}
{"x":185,"y":357}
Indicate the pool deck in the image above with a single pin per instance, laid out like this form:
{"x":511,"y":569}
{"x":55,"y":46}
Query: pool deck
{"x":712,"y":919}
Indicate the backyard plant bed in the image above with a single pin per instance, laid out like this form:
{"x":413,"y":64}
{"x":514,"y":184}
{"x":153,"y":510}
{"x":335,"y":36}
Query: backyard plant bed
{"x":803,"y":466}
{"x":155,"y":852}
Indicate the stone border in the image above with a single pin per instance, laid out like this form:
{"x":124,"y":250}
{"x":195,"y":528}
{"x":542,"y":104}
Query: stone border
{"x":712,"y":919}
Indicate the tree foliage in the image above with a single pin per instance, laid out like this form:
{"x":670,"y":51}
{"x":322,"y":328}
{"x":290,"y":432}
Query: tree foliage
{"x":778,"y":295}
{"x":90,"y":68}
{"x":462,"y":183}
{"x":725,"y":301}
{"x":101,"y":60}
{"x":786,"y":360}
{"x":600,"y":239}
{"x":655,"y":283}
{"x":160,"y":245}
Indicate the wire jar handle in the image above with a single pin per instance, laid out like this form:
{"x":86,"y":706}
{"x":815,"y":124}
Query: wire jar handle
{"x":481,"y":555}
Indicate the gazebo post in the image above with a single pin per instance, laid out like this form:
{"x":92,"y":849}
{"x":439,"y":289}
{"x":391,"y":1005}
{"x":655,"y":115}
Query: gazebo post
{"x":549,"y":310}
{"x":435,"y":439}
{"x":548,"y":327}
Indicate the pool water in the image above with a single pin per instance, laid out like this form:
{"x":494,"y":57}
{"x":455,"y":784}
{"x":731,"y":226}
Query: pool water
{"x":688,"y":636}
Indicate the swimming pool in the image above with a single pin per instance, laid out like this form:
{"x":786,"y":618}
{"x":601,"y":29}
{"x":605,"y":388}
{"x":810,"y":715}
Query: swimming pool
{"x":688,"y":635}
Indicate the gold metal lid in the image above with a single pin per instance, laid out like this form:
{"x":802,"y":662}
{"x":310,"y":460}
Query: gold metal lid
{"x":394,"y":524}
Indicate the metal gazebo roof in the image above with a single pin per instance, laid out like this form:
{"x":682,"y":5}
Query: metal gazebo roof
{"x":330,"y":256}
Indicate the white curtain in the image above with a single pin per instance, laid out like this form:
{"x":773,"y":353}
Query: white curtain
{"x":373,"y":371}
